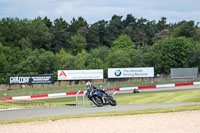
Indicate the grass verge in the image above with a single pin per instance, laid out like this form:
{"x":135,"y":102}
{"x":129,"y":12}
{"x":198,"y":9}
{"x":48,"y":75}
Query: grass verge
{"x":130,"y":98}
{"x":48,"y":89}
{"x":105,"y":114}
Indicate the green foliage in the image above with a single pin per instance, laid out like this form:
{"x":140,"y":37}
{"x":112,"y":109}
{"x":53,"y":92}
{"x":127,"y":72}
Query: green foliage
{"x":39,"y":34}
{"x":197,"y":35}
{"x":64,"y":60}
{"x":195,"y":57}
{"x":4,"y":65}
{"x":123,"y":42}
{"x":162,"y":24}
{"x":77,"y":44}
{"x":38,"y":61}
{"x":76,"y":25}
{"x":115,"y":27}
{"x":80,"y":60}
{"x":138,"y":58}
{"x":45,"y":63}
{"x":184,"y":28}
{"x":118,"y":59}
{"x":41,"y":46}
{"x":95,"y":63}
{"x":60,"y":34}
{"x":101,"y":52}
{"x":171,"y":53}
{"x":93,"y":39}
{"x":104,"y":34}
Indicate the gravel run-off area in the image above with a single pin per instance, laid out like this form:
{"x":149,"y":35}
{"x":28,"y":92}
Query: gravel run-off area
{"x":178,"y":122}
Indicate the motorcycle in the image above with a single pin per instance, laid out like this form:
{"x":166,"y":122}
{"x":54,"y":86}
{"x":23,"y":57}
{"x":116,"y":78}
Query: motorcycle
{"x":101,"y":97}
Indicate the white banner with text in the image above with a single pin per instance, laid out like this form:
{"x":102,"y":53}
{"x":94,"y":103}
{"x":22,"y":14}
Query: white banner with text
{"x":130,"y":72}
{"x":80,"y":74}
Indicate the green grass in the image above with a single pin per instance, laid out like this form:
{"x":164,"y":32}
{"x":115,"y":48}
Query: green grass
{"x":141,"y":98}
{"x":72,"y":88}
{"x":159,"y":97}
{"x":131,"y":98}
{"x":23,"y":104}
{"x":105,"y":114}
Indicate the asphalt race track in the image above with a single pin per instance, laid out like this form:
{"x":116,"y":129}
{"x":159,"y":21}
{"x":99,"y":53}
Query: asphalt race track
{"x":72,"y":110}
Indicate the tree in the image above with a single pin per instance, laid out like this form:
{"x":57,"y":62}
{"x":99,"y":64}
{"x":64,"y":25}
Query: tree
{"x":95,"y":63}
{"x":25,"y":43}
{"x":130,"y":21}
{"x":101,"y":52}
{"x":104,"y":34}
{"x":123,"y":42}
{"x":45,"y":63}
{"x":64,"y":60}
{"x":115,"y":27}
{"x":10,"y":31}
{"x":148,"y":29}
{"x":4,"y":68}
{"x":195,"y":57}
{"x":162,"y":24}
{"x":184,"y":29}
{"x":78,"y":25}
{"x":39,"y":61}
{"x":93,"y":40}
{"x":4,"y":65}
{"x":39,"y":34}
{"x":171,"y":53}
{"x":47,"y":22}
{"x":77,"y":44}
{"x":161,"y":35}
{"x":196,"y":36}
{"x":118,"y":59}
{"x":60,"y":32}
{"x":14,"y":56}
{"x":80,"y":61}
{"x":137,"y":58}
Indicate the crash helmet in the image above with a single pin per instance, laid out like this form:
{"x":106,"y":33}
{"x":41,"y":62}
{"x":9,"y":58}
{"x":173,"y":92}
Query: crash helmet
{"x":88,"y":84}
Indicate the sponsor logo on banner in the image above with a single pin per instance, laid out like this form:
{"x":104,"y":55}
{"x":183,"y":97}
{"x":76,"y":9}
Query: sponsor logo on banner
{"x":80,"y":74}
{"x":62,"y":74}
{"x":31,"y":79}
{"x":130,"y":72}
{"x":118,"y":73}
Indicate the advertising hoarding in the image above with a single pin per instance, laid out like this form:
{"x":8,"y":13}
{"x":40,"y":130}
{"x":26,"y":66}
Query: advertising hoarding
{"x":31,"y":79}
{"x":130,"y":72}
{"x":184,"y":73}
{"x":80,"y":74}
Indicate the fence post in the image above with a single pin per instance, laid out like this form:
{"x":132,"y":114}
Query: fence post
{"x":83,"y":98}
{"x":77,"y":97}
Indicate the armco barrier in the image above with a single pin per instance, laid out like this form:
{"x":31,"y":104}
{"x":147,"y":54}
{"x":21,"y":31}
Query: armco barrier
{"x":73,"y":94}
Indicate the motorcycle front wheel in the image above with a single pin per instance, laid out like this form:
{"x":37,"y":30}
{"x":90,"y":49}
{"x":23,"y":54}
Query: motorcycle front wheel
{"x":112,"y":102}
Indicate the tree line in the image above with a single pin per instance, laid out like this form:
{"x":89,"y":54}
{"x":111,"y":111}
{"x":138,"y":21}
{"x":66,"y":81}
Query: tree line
{"x":42,"y":46}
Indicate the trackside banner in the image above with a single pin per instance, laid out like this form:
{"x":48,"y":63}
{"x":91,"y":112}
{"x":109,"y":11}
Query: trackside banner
{"x":130,"y":72}
{"x":31,"y":79}
{"x":80,"y":74}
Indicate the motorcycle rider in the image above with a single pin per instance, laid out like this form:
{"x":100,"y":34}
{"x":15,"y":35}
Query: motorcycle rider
{"x":88,"y":85}
{"x":98,"y":96}
{"x":91,"y":87}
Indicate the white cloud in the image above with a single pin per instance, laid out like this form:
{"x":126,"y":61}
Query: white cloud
{"x":42,"y":13}
{"x":94,"y":10}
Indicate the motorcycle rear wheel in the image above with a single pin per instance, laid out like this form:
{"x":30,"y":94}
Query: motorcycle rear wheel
{"x":97,"y":101}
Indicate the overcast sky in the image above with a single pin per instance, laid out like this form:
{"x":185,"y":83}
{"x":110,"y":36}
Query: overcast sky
{"x":95,"y":10}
